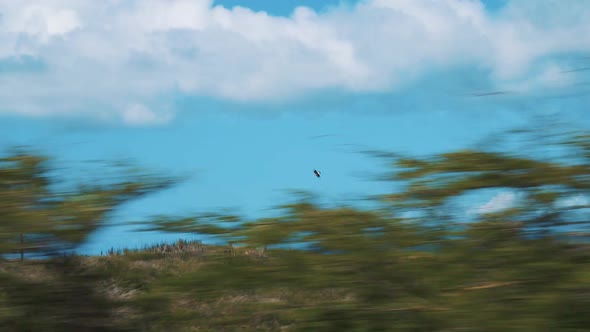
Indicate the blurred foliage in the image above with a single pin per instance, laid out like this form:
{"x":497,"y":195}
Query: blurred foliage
{"x":37,"y":218}
{"x":414,"y":264}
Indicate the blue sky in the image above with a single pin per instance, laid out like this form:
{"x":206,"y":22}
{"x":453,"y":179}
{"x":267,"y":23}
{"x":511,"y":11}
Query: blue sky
{"x":233,"y":95}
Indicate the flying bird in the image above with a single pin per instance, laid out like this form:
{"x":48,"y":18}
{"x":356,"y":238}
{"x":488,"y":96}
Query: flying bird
{"x":317,"y":173}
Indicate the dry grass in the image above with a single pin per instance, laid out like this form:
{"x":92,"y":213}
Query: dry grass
{"x":163,"y":288}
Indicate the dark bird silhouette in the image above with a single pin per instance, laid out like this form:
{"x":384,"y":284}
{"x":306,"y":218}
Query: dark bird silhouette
{"x":317,"y":173}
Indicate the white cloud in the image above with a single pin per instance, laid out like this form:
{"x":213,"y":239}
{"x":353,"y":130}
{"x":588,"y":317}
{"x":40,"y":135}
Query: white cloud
{"x":501,"y":201}
{"x":140,"y":115}
{"x":574,"y":201}
{"x":113,"y":52}
{"x":40,"y":22}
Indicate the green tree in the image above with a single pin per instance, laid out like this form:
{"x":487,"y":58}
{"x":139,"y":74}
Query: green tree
{"x":36,"y":217}
{"x":59,"y":293}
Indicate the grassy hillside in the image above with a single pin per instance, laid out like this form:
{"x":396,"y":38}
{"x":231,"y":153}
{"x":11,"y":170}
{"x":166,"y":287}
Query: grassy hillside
{"x":524,"y":285}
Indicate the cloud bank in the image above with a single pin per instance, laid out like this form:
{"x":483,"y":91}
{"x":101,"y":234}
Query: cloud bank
{"x":70,"y":56}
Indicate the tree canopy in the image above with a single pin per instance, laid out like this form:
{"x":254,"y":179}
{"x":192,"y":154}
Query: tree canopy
{"x":49,"y":219}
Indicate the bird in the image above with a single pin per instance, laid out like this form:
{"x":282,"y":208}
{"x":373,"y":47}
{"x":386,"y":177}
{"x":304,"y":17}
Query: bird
{"x":317,"y":173}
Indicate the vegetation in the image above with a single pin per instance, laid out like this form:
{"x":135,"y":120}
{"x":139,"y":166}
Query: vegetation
{"x":418,"y":263}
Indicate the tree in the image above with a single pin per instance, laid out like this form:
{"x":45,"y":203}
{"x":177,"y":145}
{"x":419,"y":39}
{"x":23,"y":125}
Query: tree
{"x":36,"y":217}
{"x":64,"y":294}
